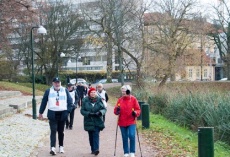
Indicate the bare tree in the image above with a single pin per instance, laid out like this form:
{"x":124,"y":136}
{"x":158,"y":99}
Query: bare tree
{"x":122,"y":23}
{"x":13,"y":12}
{"x":221,"y":34}
{"x":173,"y":33}
{"x":63,"y":25}
{"x":16,"y":18}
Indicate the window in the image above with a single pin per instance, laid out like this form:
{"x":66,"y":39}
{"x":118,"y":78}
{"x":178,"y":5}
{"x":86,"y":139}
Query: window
{"x":190,"y":73}
{"x":85,"y":61}
{"x":205,"y":73}
{"x":197,"y":73}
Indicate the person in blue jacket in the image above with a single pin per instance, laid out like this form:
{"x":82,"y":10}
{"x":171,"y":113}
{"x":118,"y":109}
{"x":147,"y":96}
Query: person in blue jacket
{"x":59,"y":104}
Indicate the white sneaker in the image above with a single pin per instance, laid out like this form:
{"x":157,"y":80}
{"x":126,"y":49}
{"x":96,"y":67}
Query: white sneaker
{"x":126,"y":155}
{"x":53,"y":151}
{"x":132,"y":155}
{"x":61,"y":149}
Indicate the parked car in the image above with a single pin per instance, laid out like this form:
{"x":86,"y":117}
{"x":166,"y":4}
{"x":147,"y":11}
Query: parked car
{"x":79,"y":80}
{"x":224,"y":79}
{"x":115,"y":80}
{"x":104,"y":81}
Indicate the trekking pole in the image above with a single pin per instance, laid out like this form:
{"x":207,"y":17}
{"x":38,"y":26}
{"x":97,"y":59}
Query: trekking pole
{"x":115,"y":141}
{"x":116,"y":135}
{"x":139,"y":141}
{"x":138,"y":136}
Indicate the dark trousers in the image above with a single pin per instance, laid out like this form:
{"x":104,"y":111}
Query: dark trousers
{"x":94,"y":139}
{"x":57,"y":126}
{"x":80,"y":101}
{"x":69,"y":121}
{"x":104,"y":117}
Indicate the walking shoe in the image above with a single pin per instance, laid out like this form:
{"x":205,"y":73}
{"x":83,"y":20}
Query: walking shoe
{"x":61,"y":149}
{"x":53,"y":151}
{"x":70,"y":127}
{"x":96,"y":152}
{"x":126,"y":155}
{"x":132,"y":155}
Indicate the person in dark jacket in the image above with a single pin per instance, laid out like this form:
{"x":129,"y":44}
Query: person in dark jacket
{"x":59,"y":104}
{"x":93,"y":110}
{"x":74,"y":95}
{"x":81,"y":90}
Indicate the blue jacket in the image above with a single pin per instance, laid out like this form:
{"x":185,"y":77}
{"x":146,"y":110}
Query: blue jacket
{"x":50,"y":113}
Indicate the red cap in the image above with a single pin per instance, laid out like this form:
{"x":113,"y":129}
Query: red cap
{"x":90,"y":90}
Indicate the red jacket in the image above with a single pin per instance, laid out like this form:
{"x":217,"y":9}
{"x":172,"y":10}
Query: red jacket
{"x":127,"y":105}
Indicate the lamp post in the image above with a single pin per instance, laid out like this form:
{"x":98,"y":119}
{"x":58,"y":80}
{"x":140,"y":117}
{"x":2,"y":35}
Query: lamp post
{"x":40,"y":30}
{"x":58,"y":56}
{"x":77,"y":57}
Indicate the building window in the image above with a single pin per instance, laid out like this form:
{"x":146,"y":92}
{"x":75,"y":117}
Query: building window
{"x":190,"y":73}
{"x":85,"y":60}
{"x":197,"y":73}
{"x":205,"y":73}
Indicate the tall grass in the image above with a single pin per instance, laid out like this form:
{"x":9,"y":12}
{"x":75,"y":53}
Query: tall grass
{"x":194,"y":105}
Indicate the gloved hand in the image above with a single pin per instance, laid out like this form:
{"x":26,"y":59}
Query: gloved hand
{"x":134,"y":114}
{"x":118,"y":110}
{"x":91,"y":114}
{"x":98,"y":114}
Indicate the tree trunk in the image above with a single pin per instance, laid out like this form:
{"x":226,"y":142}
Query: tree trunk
{"x":109,"y":60}
{"x":163,"y":81}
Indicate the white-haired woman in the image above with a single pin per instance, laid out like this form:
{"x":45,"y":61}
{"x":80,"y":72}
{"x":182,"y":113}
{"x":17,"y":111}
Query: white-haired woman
{"x":103,"y":95}
{"x":127,"y":108}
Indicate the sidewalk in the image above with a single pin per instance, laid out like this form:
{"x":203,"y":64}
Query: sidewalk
{"x":76,"y":143}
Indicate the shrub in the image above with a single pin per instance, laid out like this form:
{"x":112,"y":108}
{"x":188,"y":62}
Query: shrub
{"x":158,"y":103}
{"x":194,"y":105}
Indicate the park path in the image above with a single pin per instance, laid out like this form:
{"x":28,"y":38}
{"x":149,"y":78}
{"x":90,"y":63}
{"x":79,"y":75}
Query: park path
{"x":76,"y":143}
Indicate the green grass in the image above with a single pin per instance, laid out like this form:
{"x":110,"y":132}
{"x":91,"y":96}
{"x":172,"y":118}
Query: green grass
{"x":174,"y":140}
{"x":25,"y":88}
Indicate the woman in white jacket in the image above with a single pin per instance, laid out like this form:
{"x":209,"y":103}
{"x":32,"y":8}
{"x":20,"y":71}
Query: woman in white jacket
{"x":103,"y":95}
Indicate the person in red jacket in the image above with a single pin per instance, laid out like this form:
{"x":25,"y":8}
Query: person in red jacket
{"x":127,"y":109}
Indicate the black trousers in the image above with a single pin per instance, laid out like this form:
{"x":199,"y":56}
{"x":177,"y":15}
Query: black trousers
{"x":69,"y":121}
{"x":57,"y":126}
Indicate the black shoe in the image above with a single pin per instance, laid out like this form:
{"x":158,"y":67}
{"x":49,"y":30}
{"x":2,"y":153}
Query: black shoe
{"x":96,"y":152}
{"x":70,"y":127}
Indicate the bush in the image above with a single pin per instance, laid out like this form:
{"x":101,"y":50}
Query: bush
{"x":197,"y":110}
{"x":194,"y":105}
{"x":158,"y":103}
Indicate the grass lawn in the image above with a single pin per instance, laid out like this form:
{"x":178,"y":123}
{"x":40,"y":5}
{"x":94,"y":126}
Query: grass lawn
{"x":25,"y":88}
{"x":172,"y":140}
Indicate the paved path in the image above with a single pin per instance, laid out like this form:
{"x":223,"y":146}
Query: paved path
{"x":76,"y":143}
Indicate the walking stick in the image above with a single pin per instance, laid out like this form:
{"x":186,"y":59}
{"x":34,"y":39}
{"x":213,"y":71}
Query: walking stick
{"x":116,"y":134}
{"x":115,"y":141}
{"x":138,"y":136}
{"x":139,"y":141}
